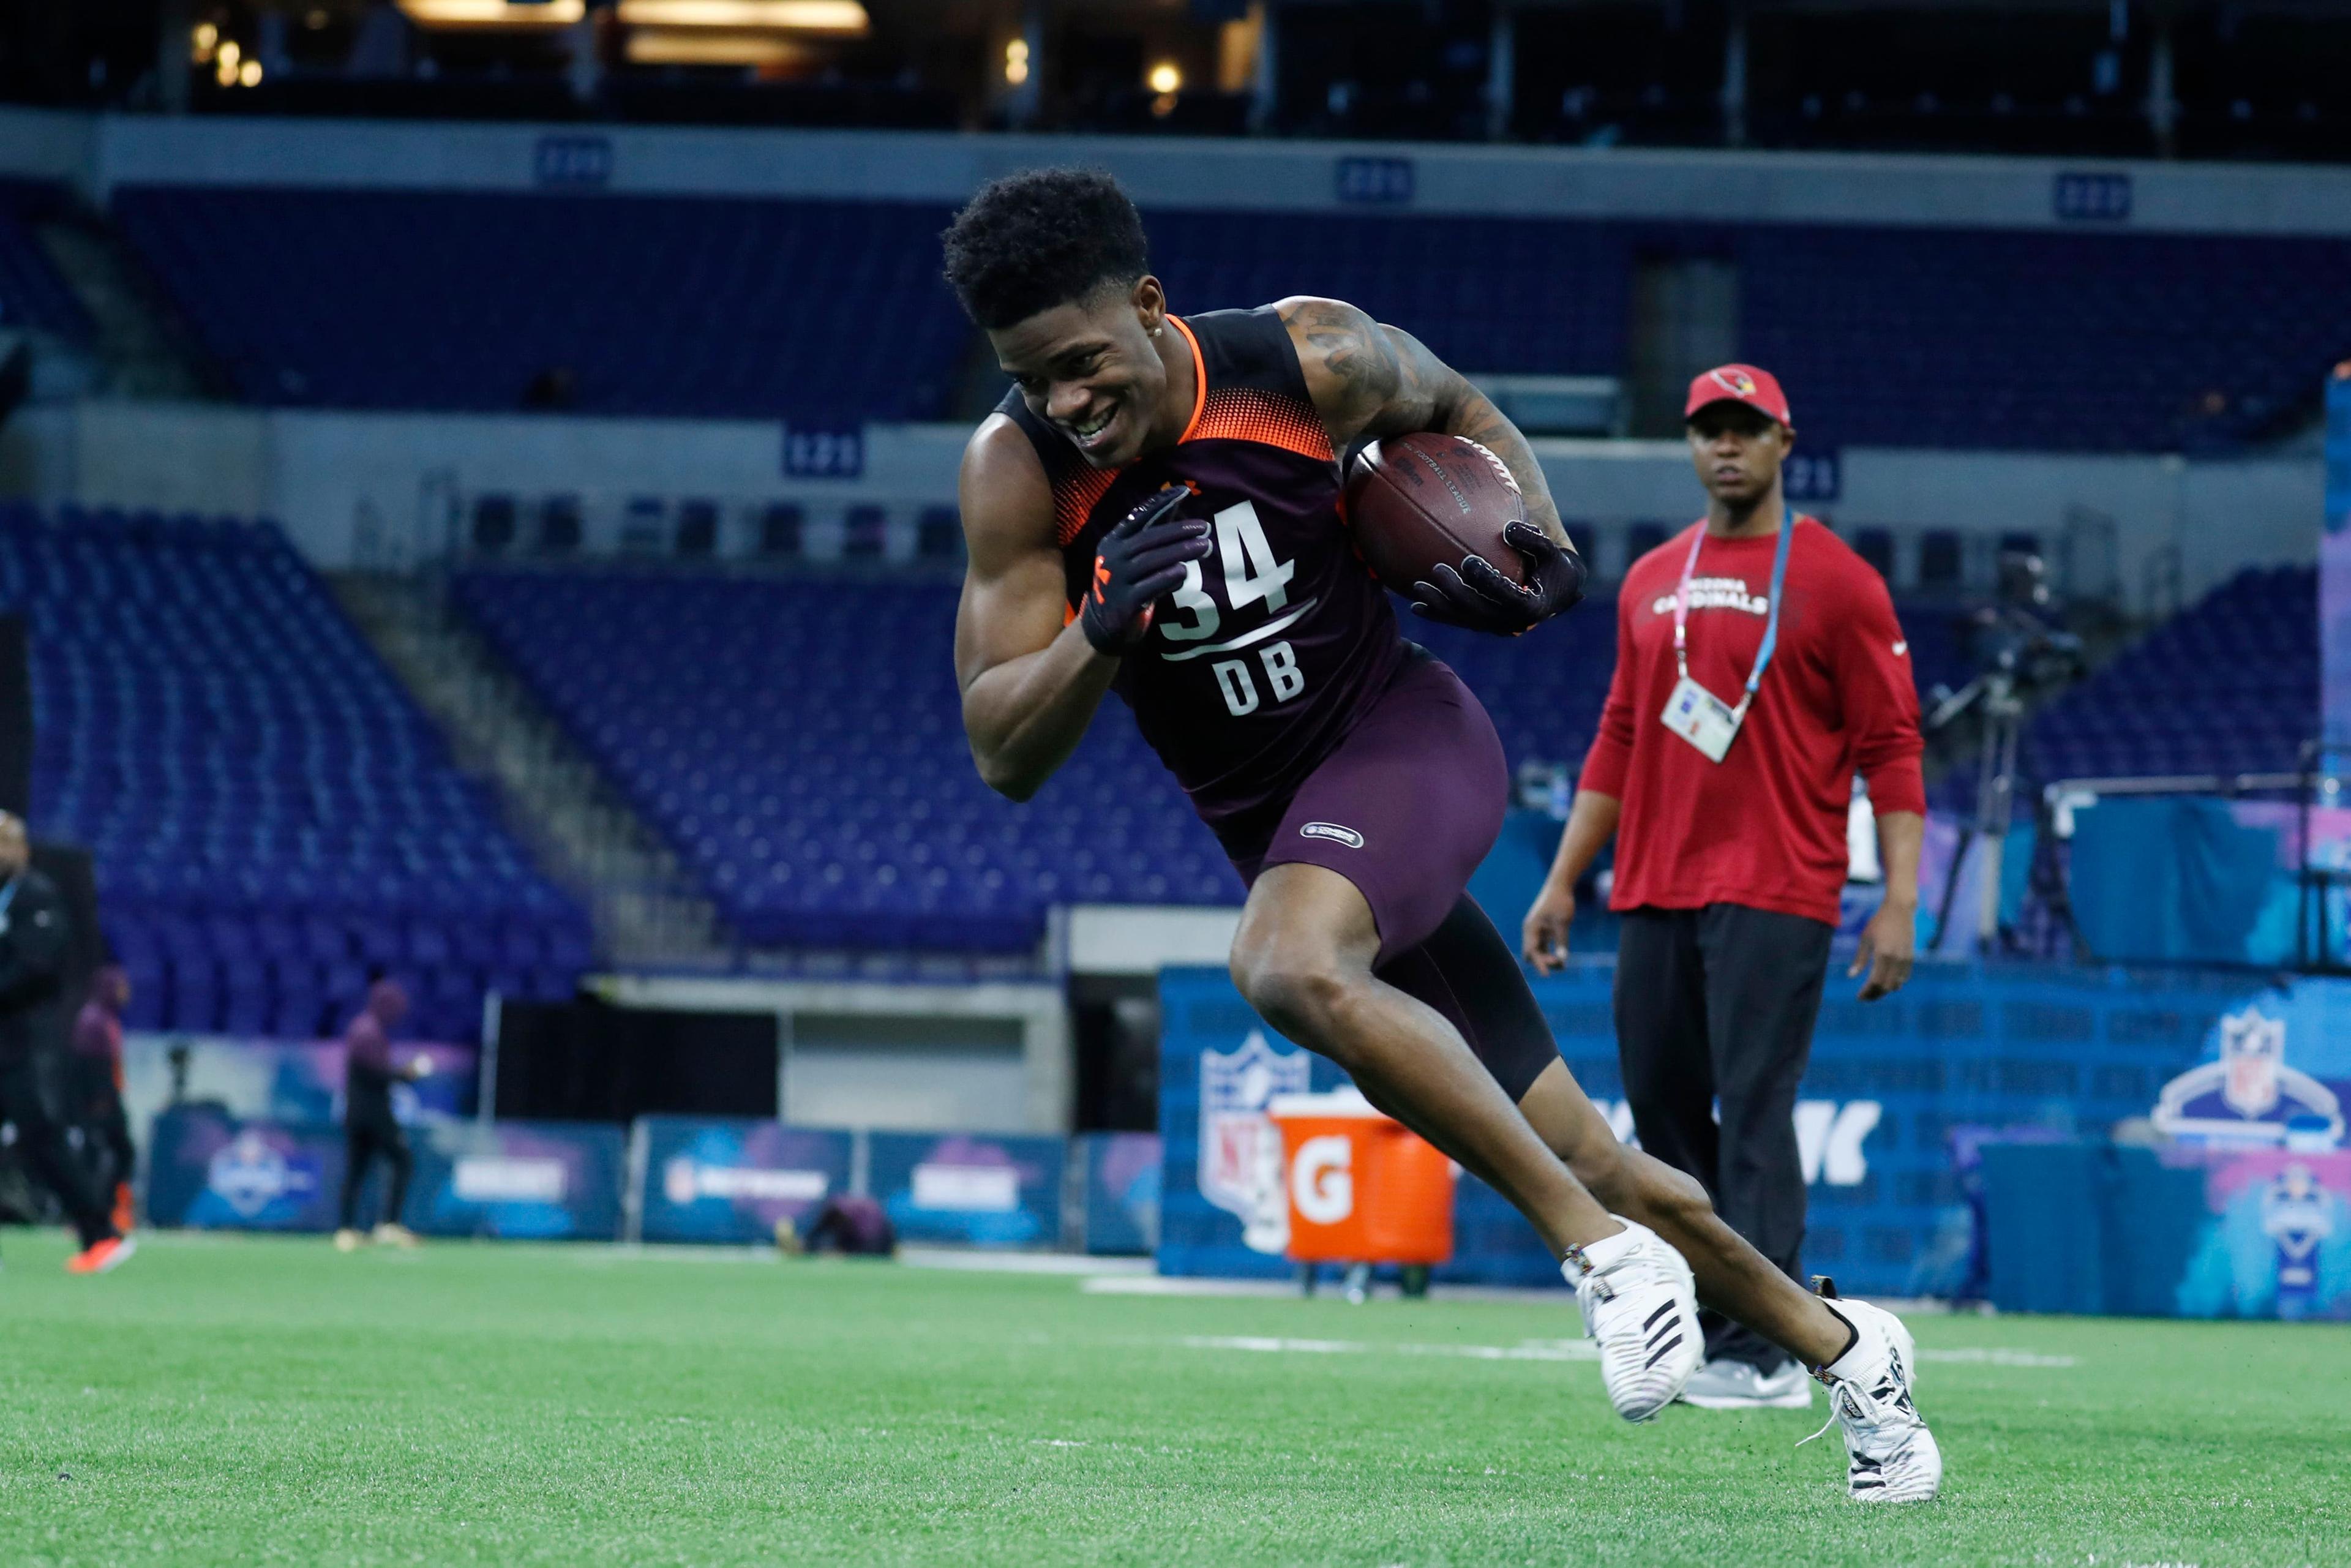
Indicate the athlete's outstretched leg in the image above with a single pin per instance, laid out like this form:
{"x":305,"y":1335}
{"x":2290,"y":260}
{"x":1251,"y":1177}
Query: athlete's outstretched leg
{"x":1733,"y":1278}
{"x":1303,"y":958}
{"x":1470,"y":975}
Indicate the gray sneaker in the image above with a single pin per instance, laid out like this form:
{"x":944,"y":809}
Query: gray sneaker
{"x":1737,"y":1385}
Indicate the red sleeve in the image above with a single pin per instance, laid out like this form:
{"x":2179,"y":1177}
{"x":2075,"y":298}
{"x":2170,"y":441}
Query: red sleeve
{"x":1880,"y":694}
{"x":1610,"y":756}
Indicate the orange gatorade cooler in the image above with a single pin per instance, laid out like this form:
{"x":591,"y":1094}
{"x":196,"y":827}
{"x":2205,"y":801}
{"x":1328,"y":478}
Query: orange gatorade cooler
{"x":1362,"y":1188}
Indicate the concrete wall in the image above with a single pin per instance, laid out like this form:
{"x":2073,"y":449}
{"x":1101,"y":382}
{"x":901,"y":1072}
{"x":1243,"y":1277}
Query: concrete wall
{"x":994,"y":1056}
{"x":387,"y":488}
{"x":98,"y":152}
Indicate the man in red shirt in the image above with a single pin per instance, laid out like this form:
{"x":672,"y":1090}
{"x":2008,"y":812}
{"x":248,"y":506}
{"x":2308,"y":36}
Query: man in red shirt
{"x":1759,"y":667}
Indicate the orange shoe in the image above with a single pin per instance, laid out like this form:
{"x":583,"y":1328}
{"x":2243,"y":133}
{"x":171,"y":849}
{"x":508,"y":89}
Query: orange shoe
{"x":102,"y":1256}
{"x":123,"y":1217}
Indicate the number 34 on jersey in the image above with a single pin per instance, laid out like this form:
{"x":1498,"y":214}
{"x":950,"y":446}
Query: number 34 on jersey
{"x":1251,"y":577}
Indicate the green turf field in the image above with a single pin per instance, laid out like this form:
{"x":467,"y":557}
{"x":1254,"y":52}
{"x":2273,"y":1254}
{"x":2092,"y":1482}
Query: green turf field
{"x":242,"y":1401}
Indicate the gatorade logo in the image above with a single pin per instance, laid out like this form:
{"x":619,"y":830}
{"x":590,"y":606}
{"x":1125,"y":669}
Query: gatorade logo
{"x":1334,"y":832}
{"x":1322,"y":1185}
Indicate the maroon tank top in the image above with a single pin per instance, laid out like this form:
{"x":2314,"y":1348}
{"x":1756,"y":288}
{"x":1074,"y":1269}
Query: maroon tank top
{"x":1259,"y":664}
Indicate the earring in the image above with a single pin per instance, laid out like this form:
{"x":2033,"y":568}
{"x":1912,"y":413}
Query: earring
{"x":1155,"y":331}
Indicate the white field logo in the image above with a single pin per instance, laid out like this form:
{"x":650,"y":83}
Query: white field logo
{"x":1332,"y":832}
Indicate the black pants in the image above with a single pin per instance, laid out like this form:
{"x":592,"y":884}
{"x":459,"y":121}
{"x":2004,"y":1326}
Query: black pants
{"x":105,"y":1130}
{"x":367,"y":1131}
{"x":1717,"y":1005}
{"x":26,"y":1100}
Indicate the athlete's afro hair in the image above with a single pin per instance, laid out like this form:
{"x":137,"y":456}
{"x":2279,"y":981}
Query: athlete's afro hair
{"x":1034,"y":240}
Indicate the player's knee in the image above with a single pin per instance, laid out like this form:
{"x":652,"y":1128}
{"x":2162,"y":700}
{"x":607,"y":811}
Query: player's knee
{"x":1299,"y":993}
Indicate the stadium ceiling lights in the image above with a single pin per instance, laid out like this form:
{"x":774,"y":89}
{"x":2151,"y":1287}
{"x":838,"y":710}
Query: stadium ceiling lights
{"x":528,"y":14}
{"x":842,"y":16}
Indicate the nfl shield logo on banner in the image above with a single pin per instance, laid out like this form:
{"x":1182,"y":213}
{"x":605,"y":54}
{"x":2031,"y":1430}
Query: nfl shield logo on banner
{"x":1240,"y":1148}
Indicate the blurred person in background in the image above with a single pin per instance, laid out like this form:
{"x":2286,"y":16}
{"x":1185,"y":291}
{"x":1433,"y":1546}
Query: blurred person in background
{"x":94,"y":1087}
{"x":35,"y":938}
{"x":370,"y":1129}
{"x":1723,"y":767}
{"x":851,"y":1224}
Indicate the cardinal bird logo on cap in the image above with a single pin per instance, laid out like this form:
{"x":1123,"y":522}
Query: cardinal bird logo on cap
{"x":1737,"y":382}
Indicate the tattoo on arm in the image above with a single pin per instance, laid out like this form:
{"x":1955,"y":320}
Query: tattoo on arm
{"x":1373,"y":381}
{"x":1353,"y":368}
{"x":1475,"y":417}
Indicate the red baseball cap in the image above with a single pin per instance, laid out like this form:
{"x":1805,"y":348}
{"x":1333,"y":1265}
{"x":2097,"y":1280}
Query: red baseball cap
{"x":1740,"y":383}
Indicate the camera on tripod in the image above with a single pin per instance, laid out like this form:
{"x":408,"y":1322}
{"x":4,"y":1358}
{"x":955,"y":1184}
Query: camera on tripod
{"x":2021,"y":654}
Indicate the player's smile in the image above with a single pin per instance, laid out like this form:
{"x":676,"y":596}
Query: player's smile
{"x":1095,"y":431}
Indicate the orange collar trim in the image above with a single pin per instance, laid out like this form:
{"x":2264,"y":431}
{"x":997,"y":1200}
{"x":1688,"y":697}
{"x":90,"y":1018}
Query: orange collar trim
{"x":1199,"y":379}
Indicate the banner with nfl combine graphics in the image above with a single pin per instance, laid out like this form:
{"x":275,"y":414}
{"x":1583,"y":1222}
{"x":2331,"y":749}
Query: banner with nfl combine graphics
{"x":1900,"y":1098}
{"x":546,"y":1181}
{"x":704,"y":1179}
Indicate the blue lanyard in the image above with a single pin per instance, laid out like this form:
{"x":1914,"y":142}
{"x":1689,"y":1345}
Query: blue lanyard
{"x":1770,"y":642}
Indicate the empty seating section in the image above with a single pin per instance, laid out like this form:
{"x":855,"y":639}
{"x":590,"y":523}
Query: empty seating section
{"x":642,"y":304}
{"x":32,"y":293}
{"x":834,"y":310}
{"x":1514,"y":295}
{"x":2107,"y":342}
{"x":2230,"y":685}
{"x":269,"y":813}
{"x":799,"y":742}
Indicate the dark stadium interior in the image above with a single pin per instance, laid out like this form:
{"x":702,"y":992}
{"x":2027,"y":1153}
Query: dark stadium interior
{"x":2205,"y":80}
{"x":574,"y":732}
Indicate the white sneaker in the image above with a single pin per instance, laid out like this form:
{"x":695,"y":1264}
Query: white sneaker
{"x":1741,"y":1385}
{"x":1891,"y":1456}
{"x":1640,"y":1303}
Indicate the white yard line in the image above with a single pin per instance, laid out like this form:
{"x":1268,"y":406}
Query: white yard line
{"x":1530,"y":1350}
{"x":975,"y":1261}
{"x":1549,"y":1349}
{"x":1977,"y":1356}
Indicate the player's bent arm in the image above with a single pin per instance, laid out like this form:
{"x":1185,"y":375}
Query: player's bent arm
{"x":1367,"y":379}
{"x":1030,"y":683}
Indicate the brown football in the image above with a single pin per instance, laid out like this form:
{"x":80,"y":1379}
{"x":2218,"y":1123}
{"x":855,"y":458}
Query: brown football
{"x":1415,"y":501}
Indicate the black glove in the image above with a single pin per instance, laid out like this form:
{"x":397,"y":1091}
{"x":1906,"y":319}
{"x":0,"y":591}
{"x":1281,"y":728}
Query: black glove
{"x":1140,"y":559}
{"x":1480,"y":598}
